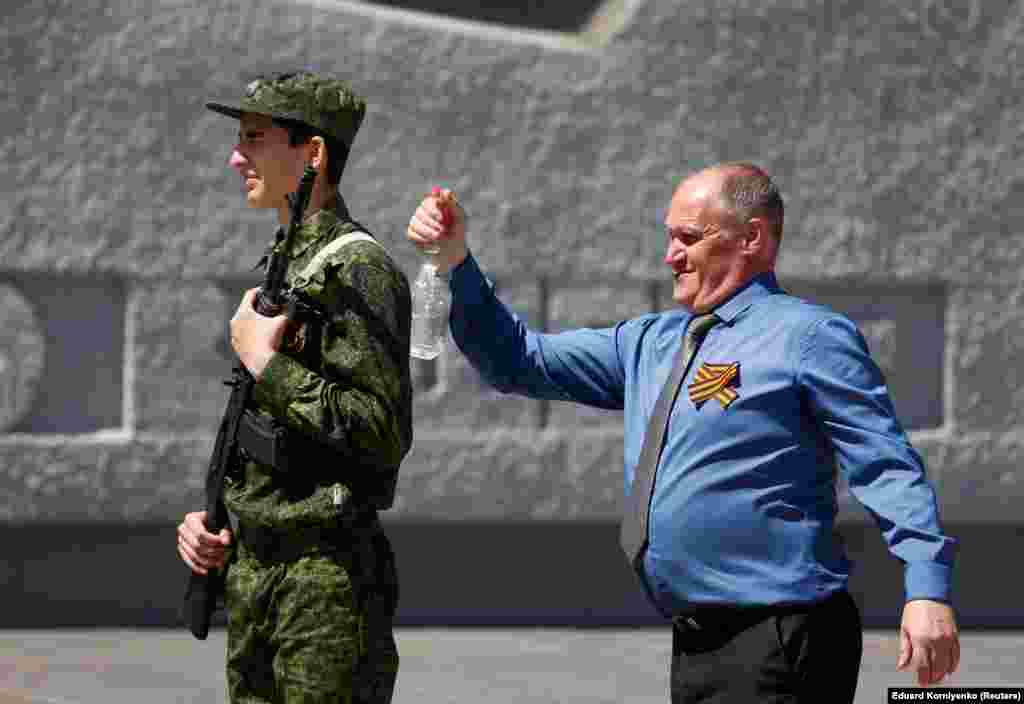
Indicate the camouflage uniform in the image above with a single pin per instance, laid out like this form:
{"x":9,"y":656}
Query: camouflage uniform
{"x":311,"y":589}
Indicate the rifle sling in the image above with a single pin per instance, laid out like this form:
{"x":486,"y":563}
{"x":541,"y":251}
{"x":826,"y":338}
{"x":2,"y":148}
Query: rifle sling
{"x":329,"y":249}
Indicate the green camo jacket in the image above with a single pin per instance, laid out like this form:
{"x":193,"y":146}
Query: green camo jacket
{"x":348,"y":391}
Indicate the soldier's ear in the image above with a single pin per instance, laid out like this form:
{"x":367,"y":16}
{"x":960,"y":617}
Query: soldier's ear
{"x":318,"y":154}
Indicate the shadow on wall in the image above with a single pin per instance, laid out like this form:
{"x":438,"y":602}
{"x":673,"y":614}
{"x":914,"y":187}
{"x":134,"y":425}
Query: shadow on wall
{"x":561,"y":16}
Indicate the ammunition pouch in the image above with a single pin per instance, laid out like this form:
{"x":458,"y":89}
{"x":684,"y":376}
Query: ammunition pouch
{"x":268,"y":442}
{"x":264,"y":440}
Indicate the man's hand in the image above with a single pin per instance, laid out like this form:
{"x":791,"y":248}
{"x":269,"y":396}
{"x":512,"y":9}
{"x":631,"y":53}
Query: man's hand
{"x":929,"y":641}
{"x":200,"y":549}
{"x":254,"y":337}
{"x":440,"y":222}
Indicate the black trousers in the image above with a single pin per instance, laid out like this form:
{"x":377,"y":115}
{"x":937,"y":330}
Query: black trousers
{"x":768,"y":655}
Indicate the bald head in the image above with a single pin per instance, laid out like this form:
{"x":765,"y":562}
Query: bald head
{"x":743,"y":191}
{"x":723,"y":227}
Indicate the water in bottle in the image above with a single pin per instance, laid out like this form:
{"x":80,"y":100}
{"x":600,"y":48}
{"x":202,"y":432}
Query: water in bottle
{"x":429,"y":312}
{"x":430,"y":293}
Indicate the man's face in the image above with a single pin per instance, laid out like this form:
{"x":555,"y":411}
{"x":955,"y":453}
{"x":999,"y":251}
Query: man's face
{"x":269,"y":167}
{"x":703,"y":249}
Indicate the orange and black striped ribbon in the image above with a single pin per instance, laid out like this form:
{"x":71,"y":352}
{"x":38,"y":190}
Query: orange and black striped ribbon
{"x":712,"y":381}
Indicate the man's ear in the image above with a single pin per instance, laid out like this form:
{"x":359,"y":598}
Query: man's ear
{"x":756,"y":236}
{"x":318,"y":155}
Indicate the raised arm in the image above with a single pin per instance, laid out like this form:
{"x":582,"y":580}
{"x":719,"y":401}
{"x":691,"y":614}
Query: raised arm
{"x":584,"y":366}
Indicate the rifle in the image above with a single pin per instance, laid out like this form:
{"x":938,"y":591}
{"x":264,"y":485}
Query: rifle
{"x":272,"y":297}
{"x":203,"y":591}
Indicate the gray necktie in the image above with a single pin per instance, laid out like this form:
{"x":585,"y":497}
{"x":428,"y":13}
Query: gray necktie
{"x":634,"y":522}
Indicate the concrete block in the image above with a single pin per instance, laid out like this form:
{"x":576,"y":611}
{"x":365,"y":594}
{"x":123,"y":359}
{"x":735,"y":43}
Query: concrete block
{"x":504,"y":474}
{"x":595,"y":470}
{"x":596,"y":304}
{"x":182,"y":354}
{"x":978,"y":477}
{"x":151,"y":479}
{"x":22,"y":353}
{"x":575,"y":304}
{"x":450,"y":394}
{"x":986,"y":353}
{"x":830,"y":245}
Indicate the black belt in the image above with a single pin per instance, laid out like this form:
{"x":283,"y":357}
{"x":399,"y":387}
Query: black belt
{"x":722,"y":618}
{"x":268,"y":545}
{"x":718,"y":623}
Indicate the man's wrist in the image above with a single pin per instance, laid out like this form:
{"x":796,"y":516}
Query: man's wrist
{"x":447,"y":263}
{"x":933,"y":599}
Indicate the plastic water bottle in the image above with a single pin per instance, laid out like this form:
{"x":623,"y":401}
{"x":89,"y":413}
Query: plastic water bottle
{"x":429,"y":310}
{"x":430,"y":295}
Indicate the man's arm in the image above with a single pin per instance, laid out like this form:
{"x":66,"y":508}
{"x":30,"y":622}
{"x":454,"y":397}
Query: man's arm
{"x":584,"y":366}
{"x":849,"y":399}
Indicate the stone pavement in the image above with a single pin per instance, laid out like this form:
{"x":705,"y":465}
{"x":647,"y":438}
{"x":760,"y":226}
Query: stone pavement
{"x":498,"y":666}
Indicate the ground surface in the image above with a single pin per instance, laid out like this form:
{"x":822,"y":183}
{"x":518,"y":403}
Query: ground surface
{"x":513,"y":666}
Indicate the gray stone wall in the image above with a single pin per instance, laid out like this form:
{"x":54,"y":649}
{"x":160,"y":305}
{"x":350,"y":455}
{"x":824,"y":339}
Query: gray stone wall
{"x":893,"y":127}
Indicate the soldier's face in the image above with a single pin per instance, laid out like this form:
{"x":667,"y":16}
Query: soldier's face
{"x":268,"y":166}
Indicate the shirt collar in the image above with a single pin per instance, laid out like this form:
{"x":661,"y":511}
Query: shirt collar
{"x":761,"y":285}
{"x":319,"y":224}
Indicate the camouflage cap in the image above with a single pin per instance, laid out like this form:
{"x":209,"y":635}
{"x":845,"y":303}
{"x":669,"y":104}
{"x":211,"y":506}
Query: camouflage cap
{"x":328,"y":104}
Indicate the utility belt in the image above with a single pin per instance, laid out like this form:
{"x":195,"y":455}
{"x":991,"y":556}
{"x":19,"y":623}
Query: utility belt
{"x":355,"y":541}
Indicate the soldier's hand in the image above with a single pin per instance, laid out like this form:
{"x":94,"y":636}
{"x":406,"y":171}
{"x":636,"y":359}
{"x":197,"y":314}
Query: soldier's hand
{"x":254,"y":337}
{"x":440,"y":222}
{"x":200,"y":549}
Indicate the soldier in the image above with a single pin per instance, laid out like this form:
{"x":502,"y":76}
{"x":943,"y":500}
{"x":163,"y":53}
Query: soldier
{"x":310,"y":581}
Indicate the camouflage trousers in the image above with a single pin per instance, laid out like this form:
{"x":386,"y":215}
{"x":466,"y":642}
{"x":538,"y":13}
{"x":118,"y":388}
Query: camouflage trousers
{"x":311,"y":630}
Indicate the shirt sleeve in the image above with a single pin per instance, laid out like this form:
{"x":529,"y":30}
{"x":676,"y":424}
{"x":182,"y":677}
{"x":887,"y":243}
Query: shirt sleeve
{"x":584,"y":366}
{"x":359,"y":400}
{"x":851,"y":404}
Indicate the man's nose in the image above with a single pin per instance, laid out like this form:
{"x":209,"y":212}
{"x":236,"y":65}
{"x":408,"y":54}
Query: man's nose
{"x":237,"y":159}
{"x":673,"y":252}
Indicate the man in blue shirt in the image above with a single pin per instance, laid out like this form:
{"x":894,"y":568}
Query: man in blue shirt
{"x":737,"y":502}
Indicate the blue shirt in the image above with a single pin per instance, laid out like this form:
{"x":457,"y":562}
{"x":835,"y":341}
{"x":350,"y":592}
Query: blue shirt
{"x":744,"y":501}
